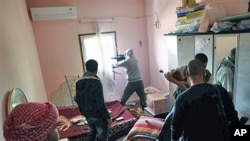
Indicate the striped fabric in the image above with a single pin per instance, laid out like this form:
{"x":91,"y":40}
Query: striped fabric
{"x":30,"y":122}
{"x":146,"y":126}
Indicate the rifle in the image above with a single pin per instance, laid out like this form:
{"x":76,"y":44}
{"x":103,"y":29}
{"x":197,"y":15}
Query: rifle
{"x":119,"y":57}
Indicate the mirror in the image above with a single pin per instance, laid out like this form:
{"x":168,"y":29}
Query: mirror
{"x":15,"y":97}
{"x":224,"y":44}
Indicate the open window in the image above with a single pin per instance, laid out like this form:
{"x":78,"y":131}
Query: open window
{"x":101,"y":47}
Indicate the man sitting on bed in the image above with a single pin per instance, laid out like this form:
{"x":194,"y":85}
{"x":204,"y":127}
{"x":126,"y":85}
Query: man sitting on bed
{"x":90,"y":100}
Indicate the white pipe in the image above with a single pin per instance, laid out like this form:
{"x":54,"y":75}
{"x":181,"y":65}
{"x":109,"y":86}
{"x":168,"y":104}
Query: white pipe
{"x":85,"y":20}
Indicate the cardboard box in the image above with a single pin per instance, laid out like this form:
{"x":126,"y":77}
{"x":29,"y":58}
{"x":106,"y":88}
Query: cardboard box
{"x":148,"y":112}
{"x":157,"y":103}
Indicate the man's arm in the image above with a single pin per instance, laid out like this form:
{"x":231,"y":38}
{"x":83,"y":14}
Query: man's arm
{"x":119,"y":64}
{"x":79,"y":97}
{"x":232,"y":114}
{"x":225,"y":78}
{"x":208,"y":77}
{"x":170,"y":77}
{"x":100,"y":104}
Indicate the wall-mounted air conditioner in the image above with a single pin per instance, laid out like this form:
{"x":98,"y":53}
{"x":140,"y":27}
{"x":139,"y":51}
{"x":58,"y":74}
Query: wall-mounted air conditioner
{"x":53,"y":13}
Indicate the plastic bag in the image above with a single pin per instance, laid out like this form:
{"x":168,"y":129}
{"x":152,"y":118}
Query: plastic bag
{"x":222,"y":26}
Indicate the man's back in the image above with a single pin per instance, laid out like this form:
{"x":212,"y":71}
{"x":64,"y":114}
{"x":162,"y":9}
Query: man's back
{"x":90,"y":100}
{"x":197,"y":114}
{"x":86,"y":89}
{"x":132,"y":70}
{"x":89,"y":96}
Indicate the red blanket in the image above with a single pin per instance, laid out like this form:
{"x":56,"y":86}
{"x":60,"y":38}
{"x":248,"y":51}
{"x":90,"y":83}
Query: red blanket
{"x":117,"y":109}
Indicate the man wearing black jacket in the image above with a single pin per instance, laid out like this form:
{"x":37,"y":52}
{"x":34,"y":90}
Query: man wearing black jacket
{"x":197,"y":111}
{"x":90,"y":100}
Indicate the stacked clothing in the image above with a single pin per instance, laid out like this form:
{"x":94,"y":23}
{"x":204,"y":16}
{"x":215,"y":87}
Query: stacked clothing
{"x":188,"y":16}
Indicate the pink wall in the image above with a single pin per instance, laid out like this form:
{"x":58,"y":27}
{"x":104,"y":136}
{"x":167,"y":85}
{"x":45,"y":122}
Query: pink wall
{"x":58,"y":45}
{"x":133,"y":25}
{"x":20,"y":67}
{"x":156,"y":39}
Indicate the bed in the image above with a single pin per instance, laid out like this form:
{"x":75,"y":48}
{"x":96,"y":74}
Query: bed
{"x":118,"y":128}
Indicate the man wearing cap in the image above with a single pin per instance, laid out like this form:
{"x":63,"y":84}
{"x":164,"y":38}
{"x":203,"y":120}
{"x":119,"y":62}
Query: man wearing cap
{"x":32,"y":121}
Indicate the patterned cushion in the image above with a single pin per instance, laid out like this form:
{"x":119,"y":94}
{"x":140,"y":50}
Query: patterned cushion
{"x":145,"y":126}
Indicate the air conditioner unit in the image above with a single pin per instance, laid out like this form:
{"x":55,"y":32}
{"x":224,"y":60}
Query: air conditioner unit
{"x":53,"y":13}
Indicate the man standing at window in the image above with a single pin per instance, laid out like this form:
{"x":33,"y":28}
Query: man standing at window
{"x":134,"y":79}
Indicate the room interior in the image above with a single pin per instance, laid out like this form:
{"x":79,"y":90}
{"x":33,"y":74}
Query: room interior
{"x":36,"y":55}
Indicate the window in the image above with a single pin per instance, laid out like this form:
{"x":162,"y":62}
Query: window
{"x":101,"y":48}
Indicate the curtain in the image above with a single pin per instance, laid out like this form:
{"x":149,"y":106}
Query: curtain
{"x":102,"y":47}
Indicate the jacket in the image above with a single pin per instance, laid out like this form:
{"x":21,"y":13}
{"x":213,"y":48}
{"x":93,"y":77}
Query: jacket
{"x":131,"y":66}
{"x":225,"y":74}
{"x":89,"y":96}
{"x":196,"y":114}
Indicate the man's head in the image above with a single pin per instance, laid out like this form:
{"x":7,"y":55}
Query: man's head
{"x":91,"y":66}
{"x":195,"y":68}
{"x":232,"y":55}
{"x":203,"y":58}
{"x":129,"y":53}
{"x":32,"y":121}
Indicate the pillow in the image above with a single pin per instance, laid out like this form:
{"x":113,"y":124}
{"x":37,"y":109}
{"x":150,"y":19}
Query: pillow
{"x":145,"y":125}
{"x":151,"y":90}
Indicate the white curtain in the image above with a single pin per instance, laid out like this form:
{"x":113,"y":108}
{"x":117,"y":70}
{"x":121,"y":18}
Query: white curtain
{"x":102,"y":47}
